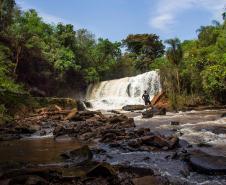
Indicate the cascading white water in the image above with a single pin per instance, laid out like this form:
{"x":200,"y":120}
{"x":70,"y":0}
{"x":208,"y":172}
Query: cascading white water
{"x":114,"y":94}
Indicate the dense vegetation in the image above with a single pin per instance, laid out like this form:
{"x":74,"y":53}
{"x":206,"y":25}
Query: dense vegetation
{"x":53,"y":60}
{"x":194,"y":71}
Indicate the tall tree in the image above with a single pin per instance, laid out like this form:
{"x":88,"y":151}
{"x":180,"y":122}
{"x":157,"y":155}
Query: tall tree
{"x":174,"y":54}
{"x":147,"y":47}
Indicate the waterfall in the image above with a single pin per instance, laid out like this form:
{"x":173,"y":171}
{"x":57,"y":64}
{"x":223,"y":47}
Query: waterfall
{"x":114,"y":94}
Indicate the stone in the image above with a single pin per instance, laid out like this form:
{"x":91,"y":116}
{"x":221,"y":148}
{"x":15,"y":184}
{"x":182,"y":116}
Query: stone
{"x":136,"y":143}
{"x":160,"y":142}
{"x":133,"y":107}
{"x":154,"y":141}
{"x":88,"y":104}
{"x":206,"y":163}
{"x":142,"y":131}
{"x":78,"y":156}
{"x":102,"y":170}
{"x":81,"y":105}
{"x":150,"y":180}
{"x":34,"y":180}
{"x":147,"y":114}
{"x":174,"y":123}
{"x":42,"y":133}
{"x":58,"y":130}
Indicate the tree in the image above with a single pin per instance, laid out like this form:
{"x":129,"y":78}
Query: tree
{"x":147,"y":47}
{"x":6,"y":13}
{"x":27,"y":32}
{"x":174,"y":54}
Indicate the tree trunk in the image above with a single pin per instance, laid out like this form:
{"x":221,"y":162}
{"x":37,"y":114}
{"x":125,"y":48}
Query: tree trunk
{"x":18,"y":51}
{"x":178,"y":82}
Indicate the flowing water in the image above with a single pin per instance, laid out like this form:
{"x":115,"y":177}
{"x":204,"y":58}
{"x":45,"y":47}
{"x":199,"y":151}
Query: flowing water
{"x":114,"y":94}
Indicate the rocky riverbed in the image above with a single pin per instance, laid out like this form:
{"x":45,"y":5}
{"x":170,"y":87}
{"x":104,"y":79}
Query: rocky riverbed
{"x":56,"y":146}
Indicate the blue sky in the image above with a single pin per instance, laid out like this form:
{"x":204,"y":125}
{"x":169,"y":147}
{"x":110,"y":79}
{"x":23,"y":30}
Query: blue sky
{"x":115,"y":19}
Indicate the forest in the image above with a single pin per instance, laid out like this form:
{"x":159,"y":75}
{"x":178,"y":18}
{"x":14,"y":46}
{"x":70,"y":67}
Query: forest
{"x":68,"y":115}
{"x":51,"y":59}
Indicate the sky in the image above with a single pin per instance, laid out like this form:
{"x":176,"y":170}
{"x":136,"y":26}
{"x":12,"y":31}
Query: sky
{"x":115,"y":19}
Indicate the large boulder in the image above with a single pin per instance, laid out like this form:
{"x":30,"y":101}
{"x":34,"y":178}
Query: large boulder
{"x":133,"y":107}
{"x":206,"y":163}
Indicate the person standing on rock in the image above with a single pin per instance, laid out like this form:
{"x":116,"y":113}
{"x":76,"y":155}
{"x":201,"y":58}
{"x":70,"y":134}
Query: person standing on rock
{"x":146,"y":98}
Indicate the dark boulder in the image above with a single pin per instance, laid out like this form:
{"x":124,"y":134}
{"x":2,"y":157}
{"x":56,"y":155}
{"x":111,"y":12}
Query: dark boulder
{"x":147,"y":114}
{"x":206,"y":163}
{"x":78,"y":156}
{"x":133,"y":107}
{"x":160,"y":142}
{"x":81,"y":105}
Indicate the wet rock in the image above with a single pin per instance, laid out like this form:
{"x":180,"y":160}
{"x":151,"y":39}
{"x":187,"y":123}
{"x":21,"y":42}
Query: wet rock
{"x":59,"y":130}
{"x":28,"y":180}
{"x":84,"y":115}
{"x":42,"y":133}
{"x":81,"y":105}
{"x":175,"y":123}
{"x":25,"y":129}
{"x":136,"y":171}
{"x":203,"y":144}
{"x":34,"y":180}
{"x":114,"y":111}
{"x":8,"y":137}
{"x":147,"y":114}
{"x":133,"y":107}
{"x":155,"y":141}
{"x":185,"y":171}
{"x":135,"y":143}
{"x":142,"y":131}
{"x":184,"y":144}
{"x":150,"y":180}
{"x":102,"y":170}
{"x":160,"y":142}
{"x":206,"y":163}
{"x":88,"y":104}
{"x":161,"y":111}
{"x":78,"y":156}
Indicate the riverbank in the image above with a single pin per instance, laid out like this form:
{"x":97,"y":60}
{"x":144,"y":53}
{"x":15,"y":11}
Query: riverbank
{"x":164,"y":149}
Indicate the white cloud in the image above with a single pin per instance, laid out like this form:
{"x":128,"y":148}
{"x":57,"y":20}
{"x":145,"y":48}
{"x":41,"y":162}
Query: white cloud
{"x":46,"y":17}
{"x":168,"y":10}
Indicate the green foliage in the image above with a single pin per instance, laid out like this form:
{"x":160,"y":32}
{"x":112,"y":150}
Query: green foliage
{"x":91,"y":75}
{"x":146,"y":47}
{"x":214,"y":80}
{"x":6,"y":11}
{"x":6,"y":81}
{"x":174,"y":52}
